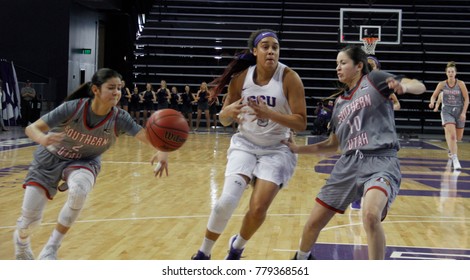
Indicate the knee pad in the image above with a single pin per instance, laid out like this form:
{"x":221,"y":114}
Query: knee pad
{"x":80,"y":184}
{"x":234,"y":187}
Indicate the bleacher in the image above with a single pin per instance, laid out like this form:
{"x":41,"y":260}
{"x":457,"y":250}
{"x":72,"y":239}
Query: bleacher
{"x":191,"y":41}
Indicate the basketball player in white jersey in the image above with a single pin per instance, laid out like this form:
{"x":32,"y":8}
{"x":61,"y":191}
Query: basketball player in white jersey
{"x":363,"y":127}
{"x":72,"y":139}
{"x":454,"y":109}
{"x":267,"y":99}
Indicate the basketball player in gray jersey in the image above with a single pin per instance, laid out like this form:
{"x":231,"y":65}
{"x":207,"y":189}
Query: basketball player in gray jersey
{"x":363,"y":128}
{"x":454,"y":109}
{"x":72,"y":139}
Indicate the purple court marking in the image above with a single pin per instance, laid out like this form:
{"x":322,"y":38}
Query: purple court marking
{"x":418,"y":144}
{"x":15,"y":143}
{"x":323,"y":251}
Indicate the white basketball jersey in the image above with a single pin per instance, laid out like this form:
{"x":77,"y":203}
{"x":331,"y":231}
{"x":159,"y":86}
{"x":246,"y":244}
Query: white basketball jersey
{"x":265,"y":132}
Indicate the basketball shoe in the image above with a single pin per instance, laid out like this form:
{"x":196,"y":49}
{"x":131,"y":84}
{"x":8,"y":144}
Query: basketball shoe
{"x":200,"y":256}
{"x":310,"y":257}
{"x":233,"y":254}
{"x":49,"y":252}
{"x":356,"y":205}
{"x":456,"y":162}
{"x":22,"y":251}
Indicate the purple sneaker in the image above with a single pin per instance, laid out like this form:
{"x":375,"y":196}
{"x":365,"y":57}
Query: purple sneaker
{"x":234,"y":254}
{"x":200,"y":256}
{"x":356,"y":205}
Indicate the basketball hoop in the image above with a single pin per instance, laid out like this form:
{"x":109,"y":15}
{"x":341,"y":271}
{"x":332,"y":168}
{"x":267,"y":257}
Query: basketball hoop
{"x":369,"y":44}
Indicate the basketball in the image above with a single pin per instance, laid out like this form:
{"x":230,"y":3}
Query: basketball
{"x":167,"y":130}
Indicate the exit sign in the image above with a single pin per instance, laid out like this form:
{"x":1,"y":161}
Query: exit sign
{"x":86,"y":51}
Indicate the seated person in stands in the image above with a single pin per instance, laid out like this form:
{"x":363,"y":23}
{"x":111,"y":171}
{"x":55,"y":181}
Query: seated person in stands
{"x":323,"y":113}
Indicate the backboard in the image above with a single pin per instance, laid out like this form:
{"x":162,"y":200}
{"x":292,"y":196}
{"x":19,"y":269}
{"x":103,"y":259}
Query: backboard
{"x":357,"y":23}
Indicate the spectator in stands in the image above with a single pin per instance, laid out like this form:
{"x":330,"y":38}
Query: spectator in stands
{"x":28,"y":93}
{"x":267,"y":99}
{"x":174,"y":99}
{"x":454,"y":110}
{"x":187,"y":100}
{"x":163,"y":96}
{"x":135,"y":104}
{"x":323,"y":113}
{"x":202,"y":98}
{"x":363,"y":128}
{"x":213,"y":110}
{"x":149,"y":97}
{"x":125,"y":97}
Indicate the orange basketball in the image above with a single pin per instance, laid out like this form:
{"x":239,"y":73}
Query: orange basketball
{"x":167,"y":130}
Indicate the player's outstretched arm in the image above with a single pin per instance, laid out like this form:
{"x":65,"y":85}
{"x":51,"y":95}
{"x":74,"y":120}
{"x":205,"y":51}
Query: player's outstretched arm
{"x":161,"y":158}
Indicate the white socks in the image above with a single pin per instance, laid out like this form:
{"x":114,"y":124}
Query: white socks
{"x":56,"y":238}
{"x":206,"y":246}
{"x":239,"y":242}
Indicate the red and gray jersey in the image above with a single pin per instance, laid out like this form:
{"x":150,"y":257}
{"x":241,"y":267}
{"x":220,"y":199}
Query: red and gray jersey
{"x":363,"y":118}
{"x":452,"y":96}
{"x":86,"y":134}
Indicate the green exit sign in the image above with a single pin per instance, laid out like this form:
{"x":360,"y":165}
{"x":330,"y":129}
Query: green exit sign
{"x":86,"y":51}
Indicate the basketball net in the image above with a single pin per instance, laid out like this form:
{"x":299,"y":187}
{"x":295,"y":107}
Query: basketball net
{"x":369,"y":44}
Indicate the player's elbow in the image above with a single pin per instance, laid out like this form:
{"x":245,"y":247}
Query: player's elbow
{"x":301,"y":123}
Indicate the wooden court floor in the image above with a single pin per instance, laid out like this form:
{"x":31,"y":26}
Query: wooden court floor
{"x":130,"y":215}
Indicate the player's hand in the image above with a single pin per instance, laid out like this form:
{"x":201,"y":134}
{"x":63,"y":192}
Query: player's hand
{"x":52,"y":138}
{"x":233,"y":110}
{"x":396,"y":86}
{"x":260,"y":109}
{"x":161,"y":159}
{"x":291,"y":143}
{"x":431,"y":105}
{"x":463,"y":117}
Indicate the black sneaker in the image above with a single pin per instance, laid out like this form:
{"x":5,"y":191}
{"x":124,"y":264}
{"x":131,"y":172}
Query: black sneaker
{"x":310,"y":257}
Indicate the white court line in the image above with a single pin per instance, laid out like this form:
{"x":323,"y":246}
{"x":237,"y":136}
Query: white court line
{"x":242,"y":215}
{"x":399,"y":254}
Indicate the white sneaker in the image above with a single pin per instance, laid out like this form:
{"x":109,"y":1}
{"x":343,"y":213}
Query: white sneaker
{"x":22,"y":251}
{"x":456,"y":163}
{"x":49,"y":252}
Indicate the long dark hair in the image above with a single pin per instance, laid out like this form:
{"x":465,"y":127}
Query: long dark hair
{"x":242,"y":61}
{"x":99,"y":78}
{"x":357,"y":55}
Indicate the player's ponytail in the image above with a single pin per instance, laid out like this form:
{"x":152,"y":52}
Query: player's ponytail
{"x":241,"y":61}
{"x":99,"y":78}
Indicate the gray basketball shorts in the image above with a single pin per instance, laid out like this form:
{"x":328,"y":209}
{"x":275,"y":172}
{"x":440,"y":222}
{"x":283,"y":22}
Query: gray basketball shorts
{"x":274,"y":163}
{"x":353,"y":176}
{"x":47,"y":170}
{"x":451,"y":115}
